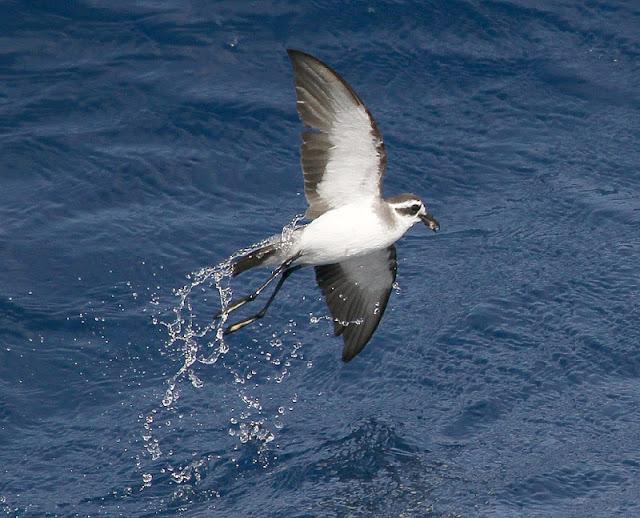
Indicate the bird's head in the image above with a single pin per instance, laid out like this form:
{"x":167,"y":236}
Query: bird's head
{"x":408,"y":209}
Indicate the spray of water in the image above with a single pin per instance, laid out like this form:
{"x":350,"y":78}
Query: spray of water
{"x":201,"y":342}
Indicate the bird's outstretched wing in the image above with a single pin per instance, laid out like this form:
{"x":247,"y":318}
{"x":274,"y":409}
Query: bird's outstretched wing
{"x":344,"y":159}
{"x":357,"y":291}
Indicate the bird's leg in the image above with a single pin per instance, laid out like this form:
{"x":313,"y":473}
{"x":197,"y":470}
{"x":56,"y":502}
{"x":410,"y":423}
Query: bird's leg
{"x":239,"y":325}
{"x":233,"y":305}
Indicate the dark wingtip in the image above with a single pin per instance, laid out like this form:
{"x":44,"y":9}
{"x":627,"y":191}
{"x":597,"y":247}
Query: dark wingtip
{"x":346,"y":358}
{"x":295,"y":52}
{"x":349,"y":352}
{"x":295,"y":55}
{"x":298,"y":55}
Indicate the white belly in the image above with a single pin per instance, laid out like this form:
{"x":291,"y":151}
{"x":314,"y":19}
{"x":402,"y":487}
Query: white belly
{"x":345,"y":232}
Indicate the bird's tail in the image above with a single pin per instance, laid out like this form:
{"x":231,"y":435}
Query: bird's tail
{"x":254,"y":258}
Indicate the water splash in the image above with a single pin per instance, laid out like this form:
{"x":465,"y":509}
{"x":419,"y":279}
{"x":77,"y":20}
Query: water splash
{"x":205,"y":343}
{"x":200,"y":342}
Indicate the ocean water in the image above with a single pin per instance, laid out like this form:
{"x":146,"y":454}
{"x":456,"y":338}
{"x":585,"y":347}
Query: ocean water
{"x":143,"y":143}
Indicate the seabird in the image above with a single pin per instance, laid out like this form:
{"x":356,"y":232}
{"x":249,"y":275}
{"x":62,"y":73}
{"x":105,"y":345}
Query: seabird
{"x":350,"y":238}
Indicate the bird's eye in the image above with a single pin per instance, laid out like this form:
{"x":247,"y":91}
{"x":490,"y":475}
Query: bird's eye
{"x":415,"y":208}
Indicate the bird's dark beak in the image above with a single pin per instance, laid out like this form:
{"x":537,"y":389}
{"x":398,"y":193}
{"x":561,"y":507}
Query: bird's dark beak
{"x":430,"y":222}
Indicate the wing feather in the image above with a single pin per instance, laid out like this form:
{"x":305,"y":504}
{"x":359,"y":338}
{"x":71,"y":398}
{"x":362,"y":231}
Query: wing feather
{"x":357,"y":291}
{"x":343,"y":156}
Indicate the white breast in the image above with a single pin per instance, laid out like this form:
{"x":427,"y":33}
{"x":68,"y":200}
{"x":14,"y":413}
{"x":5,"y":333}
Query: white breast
{"x":347,"y":231}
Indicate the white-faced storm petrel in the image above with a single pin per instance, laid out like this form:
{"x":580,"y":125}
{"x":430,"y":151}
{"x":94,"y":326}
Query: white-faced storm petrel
{"x":350,"y":239}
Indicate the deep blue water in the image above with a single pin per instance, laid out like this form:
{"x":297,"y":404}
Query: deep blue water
{"x":143,"y":141}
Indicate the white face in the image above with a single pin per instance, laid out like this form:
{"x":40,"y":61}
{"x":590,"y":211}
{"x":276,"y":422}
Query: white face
{"x":409,"y":211}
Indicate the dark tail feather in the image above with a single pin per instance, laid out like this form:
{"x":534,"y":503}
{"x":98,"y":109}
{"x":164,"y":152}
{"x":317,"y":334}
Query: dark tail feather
{"x":252,"y":259}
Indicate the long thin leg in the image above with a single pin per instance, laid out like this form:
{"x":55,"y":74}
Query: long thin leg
{"x":239,"y":325}
{"x":252,"y":296}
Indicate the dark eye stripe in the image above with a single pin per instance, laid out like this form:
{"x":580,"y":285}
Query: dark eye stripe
{"x":409,"y":211}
